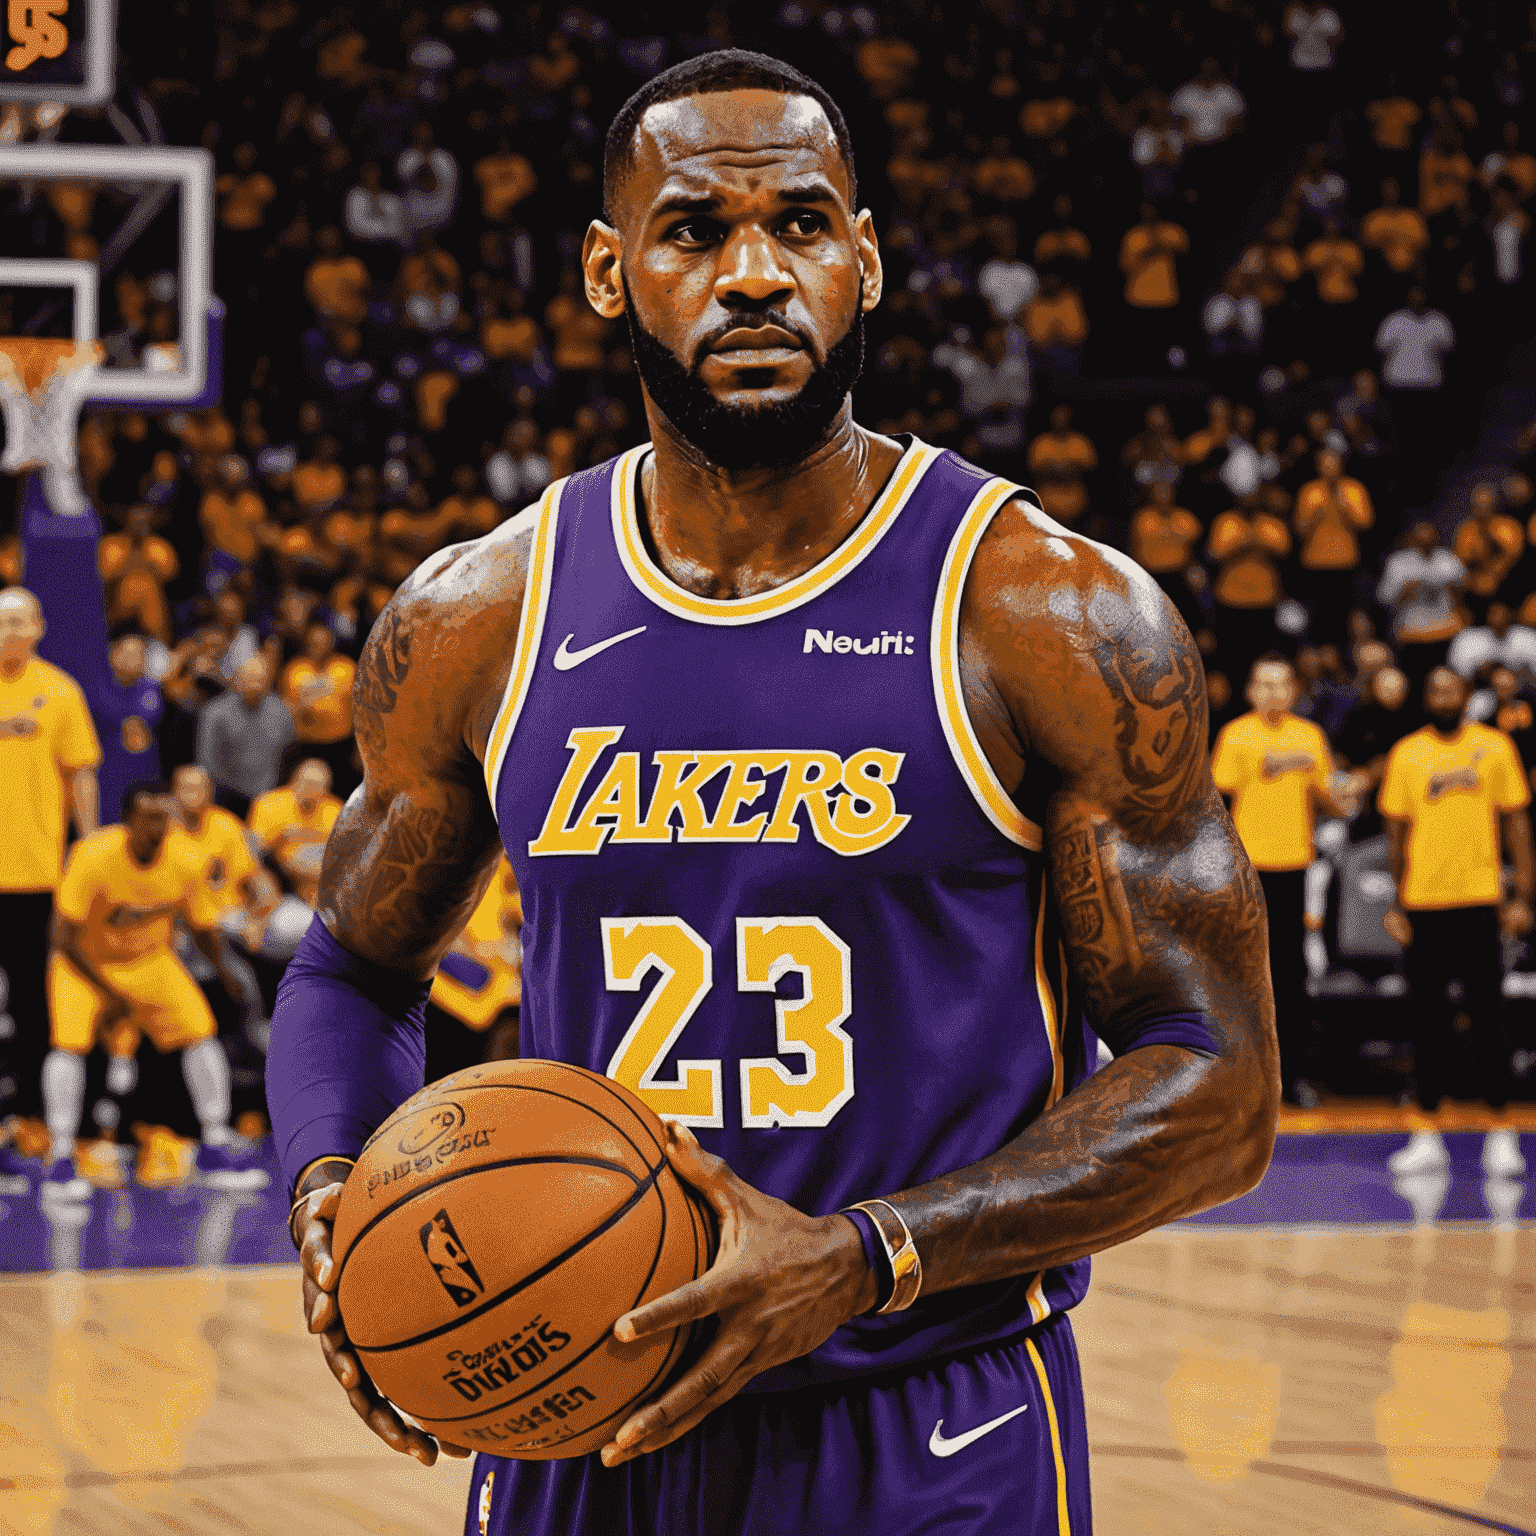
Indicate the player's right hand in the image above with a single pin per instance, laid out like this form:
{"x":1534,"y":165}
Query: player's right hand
{"x":312,"y":1223}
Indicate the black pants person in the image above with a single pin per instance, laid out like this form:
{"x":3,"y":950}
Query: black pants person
{"x":1457,"y":944}
{"x":1285,"y":894}
{"x":25,"y":918}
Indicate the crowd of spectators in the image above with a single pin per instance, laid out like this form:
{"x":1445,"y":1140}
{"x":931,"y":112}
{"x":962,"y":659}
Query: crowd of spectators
{"x":1224,"y":283}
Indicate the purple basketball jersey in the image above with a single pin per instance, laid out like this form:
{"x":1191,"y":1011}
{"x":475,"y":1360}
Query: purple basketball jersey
{"x":770,"y":881}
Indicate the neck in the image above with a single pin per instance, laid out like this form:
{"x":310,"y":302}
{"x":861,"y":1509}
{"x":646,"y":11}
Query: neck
{"x":11,"y":667}
{"x":728,"y":534}
{"x":141,"y":854}
{"x":1446,"y":732}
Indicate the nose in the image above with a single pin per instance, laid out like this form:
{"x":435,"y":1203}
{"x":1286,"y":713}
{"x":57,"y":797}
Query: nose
{"x":751,"y":275}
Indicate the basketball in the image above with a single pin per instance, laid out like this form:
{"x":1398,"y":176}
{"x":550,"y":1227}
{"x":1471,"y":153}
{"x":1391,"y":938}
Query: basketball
{"x":495,"y":1228}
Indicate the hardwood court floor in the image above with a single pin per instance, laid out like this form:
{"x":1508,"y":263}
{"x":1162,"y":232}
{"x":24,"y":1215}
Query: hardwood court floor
{"x":1239,"y":1381}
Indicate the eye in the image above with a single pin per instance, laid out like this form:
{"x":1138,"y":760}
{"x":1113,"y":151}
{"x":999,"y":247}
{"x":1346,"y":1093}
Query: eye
{"x":805,"y":222}
{"x":694,"y":232}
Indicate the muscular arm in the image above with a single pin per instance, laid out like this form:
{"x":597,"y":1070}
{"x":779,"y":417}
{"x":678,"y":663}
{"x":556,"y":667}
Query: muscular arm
{"x":410,"y":856}
{"x":1074,"y":663}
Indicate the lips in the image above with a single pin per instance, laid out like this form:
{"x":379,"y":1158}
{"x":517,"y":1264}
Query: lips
{"x":745,"y":340}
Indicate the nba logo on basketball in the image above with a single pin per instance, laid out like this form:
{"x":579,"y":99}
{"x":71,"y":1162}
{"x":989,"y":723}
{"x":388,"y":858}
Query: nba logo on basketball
{"x":446,"y":1254}
{"x":485,"y":1502}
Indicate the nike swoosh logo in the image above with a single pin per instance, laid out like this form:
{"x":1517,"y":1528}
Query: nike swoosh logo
{"x":565,"y":658}
{"x":942,"y":1447}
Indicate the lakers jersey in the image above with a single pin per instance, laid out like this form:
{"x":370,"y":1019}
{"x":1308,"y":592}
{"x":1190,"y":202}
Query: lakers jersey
{"x":771,"y":883}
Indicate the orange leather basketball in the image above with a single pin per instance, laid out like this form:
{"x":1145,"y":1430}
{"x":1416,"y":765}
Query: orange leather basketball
{"x":495,"y":1228}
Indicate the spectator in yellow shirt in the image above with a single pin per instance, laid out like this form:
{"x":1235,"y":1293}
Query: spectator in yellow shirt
{"x":1331,"y":513}
{"x":317,"y":688}
{"x":292,"y":824}
{"x":235,"y":880}
{"x":1489,"y":544}
{"x":1452,"y":793}
{"x":1274,"y":767}
{"x":48,"y":760}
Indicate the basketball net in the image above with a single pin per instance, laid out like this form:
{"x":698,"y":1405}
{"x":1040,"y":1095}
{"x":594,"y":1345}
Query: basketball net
{"x":43,"y":385}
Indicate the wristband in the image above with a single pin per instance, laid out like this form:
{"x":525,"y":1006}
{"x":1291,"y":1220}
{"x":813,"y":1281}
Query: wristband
{"x":901,"y":1252}
{"x":875,"y":1256}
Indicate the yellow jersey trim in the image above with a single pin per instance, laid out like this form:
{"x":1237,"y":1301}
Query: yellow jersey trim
{"x":530,"y":630}
{"x":964,"y":745}
{"x":1063,"y":1517}
{"x":665,"y":593}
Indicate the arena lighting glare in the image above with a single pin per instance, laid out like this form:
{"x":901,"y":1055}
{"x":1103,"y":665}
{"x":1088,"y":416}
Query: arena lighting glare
{"x":190,"y":171}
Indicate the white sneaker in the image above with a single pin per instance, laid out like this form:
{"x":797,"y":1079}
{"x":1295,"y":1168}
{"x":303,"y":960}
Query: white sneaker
{"x":1425,"y":1153}
{"x":1501,"y":1155}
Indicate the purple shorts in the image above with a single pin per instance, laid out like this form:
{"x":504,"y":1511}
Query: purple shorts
{"x":980,"y":1445}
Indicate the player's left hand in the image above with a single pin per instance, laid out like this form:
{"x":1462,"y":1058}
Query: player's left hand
{"x":780,"y":1284}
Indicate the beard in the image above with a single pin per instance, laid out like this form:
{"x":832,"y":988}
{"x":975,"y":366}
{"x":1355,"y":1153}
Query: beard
{"x":743,"y":437}
{"x":1444,"y":720}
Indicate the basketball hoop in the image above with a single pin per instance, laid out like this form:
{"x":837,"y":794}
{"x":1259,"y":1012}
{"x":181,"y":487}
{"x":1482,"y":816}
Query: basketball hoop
{"x":43,"y":384}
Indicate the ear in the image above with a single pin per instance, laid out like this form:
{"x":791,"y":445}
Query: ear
{"x":873,"y":284}
{"x":600,"y":255}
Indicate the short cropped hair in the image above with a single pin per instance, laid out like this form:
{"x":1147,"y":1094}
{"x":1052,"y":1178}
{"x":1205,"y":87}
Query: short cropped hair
{"x":729,"y":69}
{"x":155,"y":788}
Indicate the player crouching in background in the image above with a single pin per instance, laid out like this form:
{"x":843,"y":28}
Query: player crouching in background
{"x":113,"y":973}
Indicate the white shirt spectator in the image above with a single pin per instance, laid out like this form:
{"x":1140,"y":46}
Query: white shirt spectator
{"x":1314,"y":34}
{"x":431,"y":207}
{"x":1146,"y":142}
{"x":1431,"y":610}
{"x":1473,"y":649}
{"x":1412,"y":347}
{"x":1223,"y":313}
{"x":1242,"y":470}
{"x":1508,"y":235}
{"x":514,"y":482}
{"x":1009,"y":287}
{"x":374,"y":216}
{"x":1208,"y":111}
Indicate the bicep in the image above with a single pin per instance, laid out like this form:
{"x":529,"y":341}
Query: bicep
{"x":409,"y":856}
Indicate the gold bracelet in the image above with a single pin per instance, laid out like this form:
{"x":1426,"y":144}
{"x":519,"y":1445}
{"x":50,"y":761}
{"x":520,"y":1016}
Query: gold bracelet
{"x":304,"y":1173}
{"x":906,"y":1266}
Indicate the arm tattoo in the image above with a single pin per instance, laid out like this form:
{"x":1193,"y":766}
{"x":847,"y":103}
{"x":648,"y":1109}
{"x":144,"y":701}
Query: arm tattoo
{"x":417,"y":870}
{"x":385,"y":662}
{"x":1160,"y":717}
{"x":1137,"y":924}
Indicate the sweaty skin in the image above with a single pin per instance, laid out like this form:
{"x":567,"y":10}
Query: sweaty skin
{"x":1086,"y":692}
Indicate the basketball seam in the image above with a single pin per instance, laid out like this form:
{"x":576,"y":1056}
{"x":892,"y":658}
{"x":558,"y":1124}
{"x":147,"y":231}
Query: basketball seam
{"x":527,"y":1280}
{"x":464,"y":1173}
{"x":547,"y":1382}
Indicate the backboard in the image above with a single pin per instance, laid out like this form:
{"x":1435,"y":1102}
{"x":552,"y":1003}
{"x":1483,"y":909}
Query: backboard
{"x":118,"y":242}
{"x":58,"y":51}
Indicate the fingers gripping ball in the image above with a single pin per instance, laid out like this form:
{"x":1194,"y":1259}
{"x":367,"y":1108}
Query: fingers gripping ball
{"x":495,"y":1228}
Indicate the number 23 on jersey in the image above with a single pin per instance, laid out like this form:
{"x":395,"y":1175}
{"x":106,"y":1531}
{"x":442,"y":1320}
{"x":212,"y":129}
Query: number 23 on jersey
{"x":810,"y":1026}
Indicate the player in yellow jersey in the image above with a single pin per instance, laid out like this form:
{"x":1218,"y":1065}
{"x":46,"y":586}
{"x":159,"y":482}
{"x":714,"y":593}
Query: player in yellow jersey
{"x":113,"y":973}
{"x":1275,"y":768}
{"x":1452,"y":793}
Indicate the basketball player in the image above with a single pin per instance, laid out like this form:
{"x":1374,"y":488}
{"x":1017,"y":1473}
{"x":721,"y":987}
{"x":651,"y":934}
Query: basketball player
{"x":114,"y":973}
{"x":776,"y":694}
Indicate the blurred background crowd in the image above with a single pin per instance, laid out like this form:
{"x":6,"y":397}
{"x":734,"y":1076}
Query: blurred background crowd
{"x":1236,"y":289}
